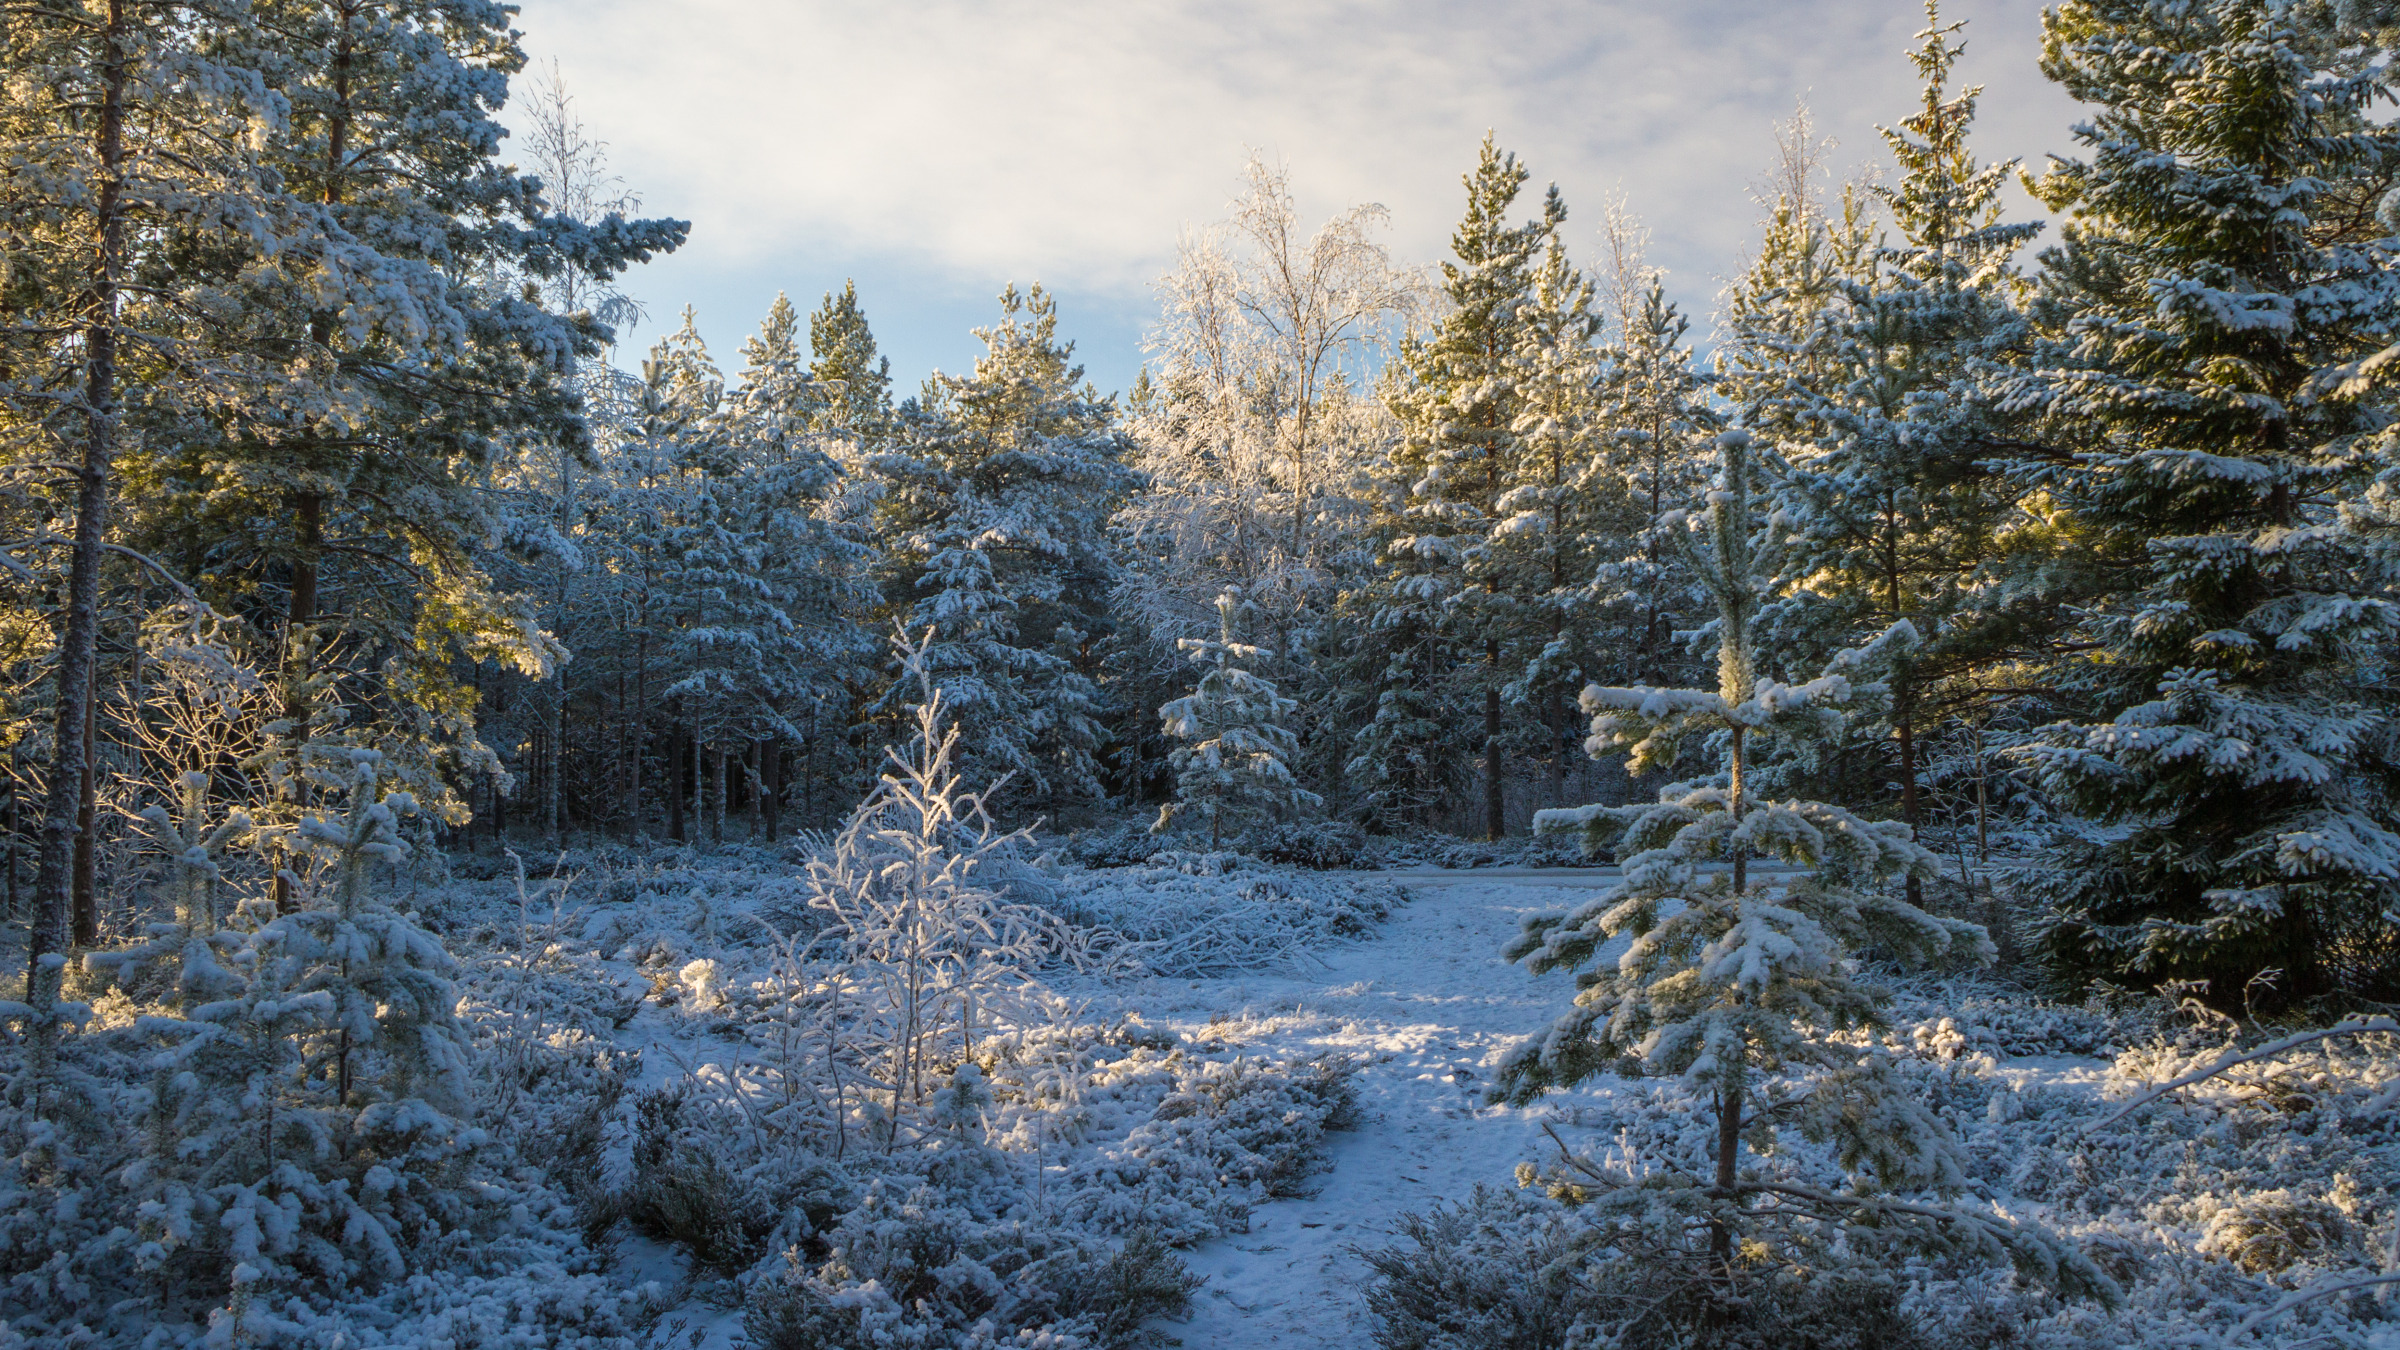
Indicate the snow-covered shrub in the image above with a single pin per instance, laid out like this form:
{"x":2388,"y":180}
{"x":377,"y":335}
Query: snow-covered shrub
{"x":1230,"y":1136}
{"x":696,"y":1180}
{"x":1121,"y":845}
{"x":1986,"y":1020}
{"x":1184,"y":916}
{"x":1512,"y":1271}
{"x":1323,"y":845}
{"x":275,"y":1145}
{"x":2264,"y":1232}
{"x":923,"y":1268}
{"x":1536,"y":850}
{"x":1503,"y":1270}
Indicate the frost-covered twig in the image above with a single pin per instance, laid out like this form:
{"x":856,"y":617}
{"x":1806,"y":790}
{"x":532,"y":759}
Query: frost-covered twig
{"x":2232,"y":1059}
{"x":2305,"y":1297}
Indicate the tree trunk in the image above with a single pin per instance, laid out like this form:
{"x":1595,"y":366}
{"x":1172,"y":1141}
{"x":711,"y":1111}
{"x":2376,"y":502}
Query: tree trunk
{"x":554,"y":731}
{"x":674,"y":786}
{"x":808,"y":770}
{"x":699,"y":785}
{"x":1904,"y":718}
{"x":717,"y":794}
{"x":1740,"y":862}
{"x":754,"y":782}
{"x":309,"y":523}
{"x":771,"y":766}
{"x":1560,"y":747}
{"x":641,"y":717}
{"x":87,"y":861}
{"x":16,"y":824}
{"x":1729,"y":1155}
{"x":1495,"y":789}
{"x":79,"y":635}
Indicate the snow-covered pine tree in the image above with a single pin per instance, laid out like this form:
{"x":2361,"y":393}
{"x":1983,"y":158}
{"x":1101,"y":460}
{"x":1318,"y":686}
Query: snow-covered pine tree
{"x":854,"y":381}
{"x":1885,"y":426}
{"x":1235,"y":760}
{"x":803,"y":644}
{"x":131,"y":129}
{"x":2198,"y":417}
{"x":303,"y":1139}
{"x":1735,"y":982}
{"x":1565,"y":517}
{"x":1458,"y":403}
{"x":996,"y":498}
{"x":1654,"y":404}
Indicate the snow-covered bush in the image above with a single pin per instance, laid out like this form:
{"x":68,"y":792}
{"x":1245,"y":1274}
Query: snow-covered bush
{"x":1121,"y":845}
{"x":1320,"y":845}
{"x":1186,"y":915}
{"x":1230,"y":1136}
{"x":1512,"y":1271}
{"x":1984,"y":1020}
{"x":275,"y":1145}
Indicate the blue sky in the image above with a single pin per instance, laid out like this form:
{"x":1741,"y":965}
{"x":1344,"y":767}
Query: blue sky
{"x":936,"y":150}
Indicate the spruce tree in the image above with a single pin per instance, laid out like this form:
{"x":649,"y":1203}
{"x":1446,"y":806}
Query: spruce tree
{"x":993,"y":521}
{"x":2199,"y":416}
{"x":1886,"y":426}
{"x":1236,"y":759}
{"x":1458,"y":405}
{"x":854,"y":380}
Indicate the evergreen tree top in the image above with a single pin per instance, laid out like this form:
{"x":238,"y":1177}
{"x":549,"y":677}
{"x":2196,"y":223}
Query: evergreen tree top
{"x":845,"y":357}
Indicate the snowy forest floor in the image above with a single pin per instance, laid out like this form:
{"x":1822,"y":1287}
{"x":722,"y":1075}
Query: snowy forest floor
{"x":631,"y":976}
{"x":1427,"y":1007}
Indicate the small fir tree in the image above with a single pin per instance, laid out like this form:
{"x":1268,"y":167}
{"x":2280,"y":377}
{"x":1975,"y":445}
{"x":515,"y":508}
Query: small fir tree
{"x":1734,"y":981}
{"x":1236,"y":759}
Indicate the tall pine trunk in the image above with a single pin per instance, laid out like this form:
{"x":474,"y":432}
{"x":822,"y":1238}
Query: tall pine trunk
{"x":699,"y":785}
{"x":87,"y":857}
{"x":1495,"y":789}
{"x":79,"y":635}
{"x":309,"y":509}
{"x":773,"y":788}
{"x":554,"y":731}
{"x":716,"y":792}
{"x":674,"y":783}
{"x":1904,"y":716}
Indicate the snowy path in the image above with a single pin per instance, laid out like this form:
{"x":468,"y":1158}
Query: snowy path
{"x":1427,"y":1005}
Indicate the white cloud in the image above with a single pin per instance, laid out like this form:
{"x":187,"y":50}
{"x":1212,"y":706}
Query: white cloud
{"x":1073,"y":139}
